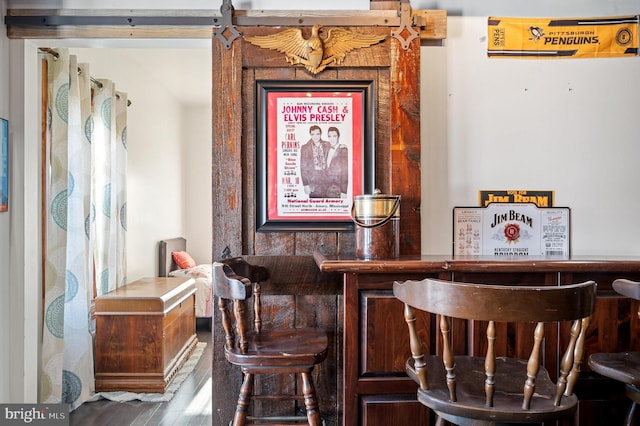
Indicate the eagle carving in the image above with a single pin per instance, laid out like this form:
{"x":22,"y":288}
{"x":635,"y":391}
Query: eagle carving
{"x":315,"y":52}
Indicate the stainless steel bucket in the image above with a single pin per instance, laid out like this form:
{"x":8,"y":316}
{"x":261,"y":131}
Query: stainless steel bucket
{"x":376,"y":219}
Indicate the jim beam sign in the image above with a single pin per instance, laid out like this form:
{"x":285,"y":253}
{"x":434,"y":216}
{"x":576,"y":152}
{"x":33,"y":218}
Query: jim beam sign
{"x":539,"y":198}
{"x":511,"y":229}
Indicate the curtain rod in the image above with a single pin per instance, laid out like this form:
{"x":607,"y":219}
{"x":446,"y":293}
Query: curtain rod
{"x":93,"y":80}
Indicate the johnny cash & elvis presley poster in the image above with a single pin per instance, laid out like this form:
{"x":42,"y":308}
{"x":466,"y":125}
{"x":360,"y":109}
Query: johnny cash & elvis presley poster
{"x":314,"y":154}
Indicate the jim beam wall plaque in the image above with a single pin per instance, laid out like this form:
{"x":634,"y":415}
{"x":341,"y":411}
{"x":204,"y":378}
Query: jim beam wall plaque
{"x":511,"y":229}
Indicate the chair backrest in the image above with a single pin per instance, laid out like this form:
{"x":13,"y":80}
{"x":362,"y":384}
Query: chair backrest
{"x":237,"y":281}
{"x":627,"y":288}
{"x":495,"y":303}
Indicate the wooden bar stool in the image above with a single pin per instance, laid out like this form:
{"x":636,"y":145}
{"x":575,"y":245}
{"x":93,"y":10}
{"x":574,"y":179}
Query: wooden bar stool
{"x":622,"y":366}
{"x":490,"y":390}
{"x":257,"y":351}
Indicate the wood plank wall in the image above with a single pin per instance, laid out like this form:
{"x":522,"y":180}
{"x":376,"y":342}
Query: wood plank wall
{"x":296,"y":286}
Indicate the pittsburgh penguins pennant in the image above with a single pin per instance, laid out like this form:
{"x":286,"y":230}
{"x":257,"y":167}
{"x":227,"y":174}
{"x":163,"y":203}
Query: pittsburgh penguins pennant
{"x":562,"y":38}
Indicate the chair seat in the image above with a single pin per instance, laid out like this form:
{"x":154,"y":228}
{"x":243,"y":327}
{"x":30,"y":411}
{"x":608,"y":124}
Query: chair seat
{"x":623,"y":366}
{"x":509,"y":378}
{"x":282,"y":348}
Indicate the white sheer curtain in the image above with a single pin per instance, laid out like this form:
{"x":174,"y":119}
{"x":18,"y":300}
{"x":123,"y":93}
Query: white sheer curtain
{"x":85,"y":183}
{"x":109,"y":185}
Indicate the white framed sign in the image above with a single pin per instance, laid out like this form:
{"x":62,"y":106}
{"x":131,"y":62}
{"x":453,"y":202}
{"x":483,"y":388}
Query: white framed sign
{"x":511,"y":229}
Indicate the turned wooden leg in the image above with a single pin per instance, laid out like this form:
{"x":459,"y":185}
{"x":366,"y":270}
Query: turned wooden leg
{"x":240,"y":418}
{"x":310,"y":400}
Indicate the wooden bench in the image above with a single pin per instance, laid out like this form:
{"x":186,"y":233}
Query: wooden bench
{"x":145,"y":331}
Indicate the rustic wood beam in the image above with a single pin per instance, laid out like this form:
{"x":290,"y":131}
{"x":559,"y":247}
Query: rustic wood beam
{"x":382,"y":5}
{"x":118,"y":23}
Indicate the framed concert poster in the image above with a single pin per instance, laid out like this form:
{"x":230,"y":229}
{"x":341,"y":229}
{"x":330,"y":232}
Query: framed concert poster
{"x":314,"y":152}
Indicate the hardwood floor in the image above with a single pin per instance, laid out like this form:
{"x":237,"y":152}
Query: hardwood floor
{"x":191,"y":405}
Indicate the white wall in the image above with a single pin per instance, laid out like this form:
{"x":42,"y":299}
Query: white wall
{"x":169,"y":156}
{"x":568,"y":125}
{"x":23,"y":318}
{"x":197,"y":168}
{"x":538,"y":8}
{"x":5,"y":283}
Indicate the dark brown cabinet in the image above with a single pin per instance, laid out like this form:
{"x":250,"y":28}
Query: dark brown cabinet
{"x":375,"y":388}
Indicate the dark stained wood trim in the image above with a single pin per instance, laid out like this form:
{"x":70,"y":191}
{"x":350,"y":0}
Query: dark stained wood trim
{"x":479,"y":264}
{"x":351,"y":328}
{"x":296,"y":275}
{"x":227,"y":168}
{"x":591,"y":264}
{"x":405,"y":141}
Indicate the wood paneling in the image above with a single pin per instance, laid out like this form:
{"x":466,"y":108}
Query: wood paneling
{"x":227,"y":170}
{"x":394,"y":410}
{"x":296,"y":284}
{"x":397,"y":140}
{"x":383,"y":334}
{"x":405,"y":141}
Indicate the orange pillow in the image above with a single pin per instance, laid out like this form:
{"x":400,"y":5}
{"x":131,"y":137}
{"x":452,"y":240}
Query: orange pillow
{"x":183,"y":259}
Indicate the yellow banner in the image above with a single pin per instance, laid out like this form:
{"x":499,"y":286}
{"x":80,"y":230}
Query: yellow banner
{"x":539,"y":198}
{"x":562,"y":38}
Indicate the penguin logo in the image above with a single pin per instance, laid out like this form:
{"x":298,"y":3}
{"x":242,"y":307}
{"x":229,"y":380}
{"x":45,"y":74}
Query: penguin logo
{"x":536,"y":33}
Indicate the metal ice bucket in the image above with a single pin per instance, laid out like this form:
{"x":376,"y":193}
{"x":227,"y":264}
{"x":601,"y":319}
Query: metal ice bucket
{"x":376,"y":219}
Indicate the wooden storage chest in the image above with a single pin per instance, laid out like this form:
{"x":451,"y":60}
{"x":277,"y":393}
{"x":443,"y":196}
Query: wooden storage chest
{"x":144,"y":333}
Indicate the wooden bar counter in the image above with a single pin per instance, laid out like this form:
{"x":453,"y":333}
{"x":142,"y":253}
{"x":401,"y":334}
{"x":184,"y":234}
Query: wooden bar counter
{"x":375,"y":389}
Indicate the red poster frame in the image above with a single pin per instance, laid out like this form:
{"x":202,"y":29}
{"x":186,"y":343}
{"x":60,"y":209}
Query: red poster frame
{"x":290,"y":196}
